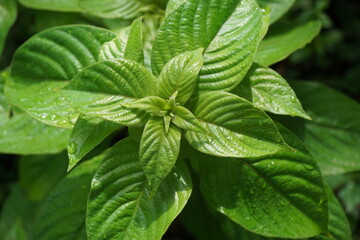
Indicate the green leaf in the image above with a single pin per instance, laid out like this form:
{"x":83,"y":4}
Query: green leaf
{"x":267,"y":90}
{"x":180,"y":74}
{"x":62,"y":215}
{"x":184,"y":119}
{"x":153,"y":105}
{"x":101,"y":89}
{"x":135,"y":133}
{"x":58,"y":5}
{"x":115,"y":48}
{"x":236,"y":128}
{"x":87,"y":133}
{"x":5,"y":108}
{"x":119,"y":194}
{"x":159,"y":150}
{"x":172,"y":5}
{"x":151,"y":24}
{"x":44,"y":64}
{"x":8,"y":9}
{"x":277,"y":8}
{"x":278,"y":195}
{"x":39,"y":174}
{"x":128,"y":9}
{"x":333,"y":137}
{"x":284,"y":39}
{"x":228,"y":30}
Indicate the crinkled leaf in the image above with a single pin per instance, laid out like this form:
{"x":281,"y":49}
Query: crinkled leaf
{"x":333,"y":137}
{"x":228,"y":30}
{"x":184,"y":119}
{"x":277,"y":8}
{"x":87,"y":133}
{"x":119,"y":193}
{"x":284,"y":39}
{"x":45,"y":63}
{"x":278,"y":195}
{"x":62,"y":215}
{"x":159,"y":150}
{"x":267,"y":90}
{"x":153,"y":105}
{"x":115,"y":48}
{"x":180,"y":74}
{"x":40,"y":173}
{"x":100,"y":89}
{"x":236,"y":128}
{"x":172,"y":5}
{"x":8,"y":13}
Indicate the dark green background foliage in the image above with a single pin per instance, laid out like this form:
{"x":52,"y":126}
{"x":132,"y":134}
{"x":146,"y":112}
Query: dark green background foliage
{"x":179,"y":119}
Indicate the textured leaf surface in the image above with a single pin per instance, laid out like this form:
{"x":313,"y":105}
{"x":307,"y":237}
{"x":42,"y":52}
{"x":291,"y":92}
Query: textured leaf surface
{"x":333,"y":137}
{"x":40,"y":173}
{"x":45,"y":63}
{"x":277,"y":7}
{"x":180,"y":74}
{"x":87,"y":133}
{"x":267,"y":90}
{"x":116,"y":47}
{"x":62,"y":215}
{"x":159,"y":150}
{"x":236,"y":128}
{"x":119,"y":194}
{"x":100,"y":89}
{"x":279,"y":195}
{"x":228,"y":30}
{"x":8,"y":13}
{"x":134,"y":47}
{"x":184,"y":119}
{"x":151,"y":23}
{"x":284,"y":39}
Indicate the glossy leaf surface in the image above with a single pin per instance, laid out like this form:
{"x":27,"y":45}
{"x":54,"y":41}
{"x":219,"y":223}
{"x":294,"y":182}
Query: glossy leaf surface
{"x":236,"y":128}
{"x":62,"y":215}
{"x":45,"y":63}
{"x":159,"y":150}
{"x":228,"y":30}
{"x":87,"y":133}
{"x":119,"y":193}
{"x":100,"y":89}
{"x":180,"y":74}
{"x":184,"y":119}
{"x":279,"y":195}
{"x":285,"y":39}
{"x":277,"y":8}
{"x":8,"y":15}
{"x":267,"y":90}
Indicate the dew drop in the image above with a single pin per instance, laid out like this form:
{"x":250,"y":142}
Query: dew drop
{"x":72,"y":148}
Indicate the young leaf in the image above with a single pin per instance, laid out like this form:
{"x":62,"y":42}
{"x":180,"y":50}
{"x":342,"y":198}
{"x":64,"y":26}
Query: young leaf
{"x":119,"y":193}
{"x":228,"y":30}
{"x":333,"y":137}
{"x":153,"y":105}
{"x":100,"y":89}
{"x":58,"y":5}
{"x":284,"y":39}
{"x":279,"y":195}
{"x":159,"y":150}
{"x":184,"y":119}
{"x":277,"y":8}
{"x":128,"y":44}
{"x":87,"y":133}
{"x":45,"y":63}
{"x":180,"y":74}
{"x":236,"y":128}
{"x":62,"y":215}
{"x":267,"y":90}
{"x":8,"y":17}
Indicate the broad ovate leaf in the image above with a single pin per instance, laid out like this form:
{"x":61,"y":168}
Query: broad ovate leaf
{"x":180,"y":74}
{"x":267,"y":90}
{"x":284,"y":39}
{"x":333,"y":135}
{"x":278,"y":195}
{"x":62,"y":215}
{"x":159,"y":150}
{"x":235,"y":127}
{"x":277,"y":8}
{"x":228,"y":30}
{"x":119,"y":193}
{"x":87,"y":133}
{"x":8,"y":13}
{"x":101,"y":89}
{"x":45,"y":63}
